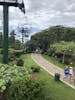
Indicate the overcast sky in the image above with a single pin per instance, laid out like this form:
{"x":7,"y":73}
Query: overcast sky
{"x":42,"y":14}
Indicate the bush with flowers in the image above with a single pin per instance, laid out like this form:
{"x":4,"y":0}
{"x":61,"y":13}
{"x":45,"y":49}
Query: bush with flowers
{"x":25,"y":88}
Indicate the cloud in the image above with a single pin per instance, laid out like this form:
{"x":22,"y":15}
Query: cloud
{"x":42,"y":14}
{"x":45,"y":13}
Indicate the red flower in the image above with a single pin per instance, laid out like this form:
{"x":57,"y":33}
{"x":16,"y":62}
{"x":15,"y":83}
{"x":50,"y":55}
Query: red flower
{"x":33,"y":76}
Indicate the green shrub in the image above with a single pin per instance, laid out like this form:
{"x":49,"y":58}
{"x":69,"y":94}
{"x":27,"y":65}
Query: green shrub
{"x":12,"y":57}
{"x":18,"y":53}
{"x":9,"y":73}
{"x":35,"y":69}
{"x":20,"y":62}
{"x":25,"y":88}
{"x":2,"y":51}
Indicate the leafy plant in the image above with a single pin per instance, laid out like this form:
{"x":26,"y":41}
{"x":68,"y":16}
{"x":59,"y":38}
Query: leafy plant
{"x":62,"y":50}
{"x":25,"y":88}
{"x":20,"y":62}
{"x":35,"y":69}
{"x":7,"y":74}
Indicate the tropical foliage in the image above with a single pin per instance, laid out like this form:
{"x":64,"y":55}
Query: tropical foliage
{"x":67,"y":47}
{"x":50,"y":36}
{"x":13,"y":42}
{"x":57,"y":41}
{"x":8,"y":73}
{"x":62,"y":49}
{"x":25,"y":88}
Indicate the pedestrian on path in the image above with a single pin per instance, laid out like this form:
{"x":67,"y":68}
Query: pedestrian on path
{"x":74,"y":75}
{"x":66,"y":72}
{"x":70,"y":73}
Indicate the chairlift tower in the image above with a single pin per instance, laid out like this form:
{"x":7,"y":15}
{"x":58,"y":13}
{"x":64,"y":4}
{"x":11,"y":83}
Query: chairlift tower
{"x":6,"y":4}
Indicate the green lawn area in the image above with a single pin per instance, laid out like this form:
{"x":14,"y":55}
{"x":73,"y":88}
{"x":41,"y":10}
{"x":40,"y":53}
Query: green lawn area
{"x":54,"y":61}
{"x":53,"y":89}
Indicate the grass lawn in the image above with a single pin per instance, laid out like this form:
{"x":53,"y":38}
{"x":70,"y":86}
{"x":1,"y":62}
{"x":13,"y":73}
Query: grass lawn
{"x":53,"y":89}
{"x":54,"y":61}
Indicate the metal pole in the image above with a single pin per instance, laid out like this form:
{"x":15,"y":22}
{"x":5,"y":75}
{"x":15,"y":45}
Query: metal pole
{"x":5,"y":34}
{"x":5,"y":25}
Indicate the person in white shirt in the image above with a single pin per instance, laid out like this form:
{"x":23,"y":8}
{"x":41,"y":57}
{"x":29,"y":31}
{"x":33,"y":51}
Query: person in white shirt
{"x":74,"y":74}
{"x":70,"y":72}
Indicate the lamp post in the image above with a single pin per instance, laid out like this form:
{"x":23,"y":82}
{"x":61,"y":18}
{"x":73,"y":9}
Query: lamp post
{"x":6,"y":5}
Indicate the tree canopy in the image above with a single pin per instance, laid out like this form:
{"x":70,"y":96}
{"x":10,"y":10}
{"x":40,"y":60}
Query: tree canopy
{"x":51,"y":35}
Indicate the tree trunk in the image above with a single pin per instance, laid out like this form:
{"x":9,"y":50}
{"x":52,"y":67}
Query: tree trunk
{"x":63,"y":59}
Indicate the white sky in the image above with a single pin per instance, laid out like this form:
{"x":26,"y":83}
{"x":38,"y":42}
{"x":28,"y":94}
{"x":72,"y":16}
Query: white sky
{"x":42,"y":14}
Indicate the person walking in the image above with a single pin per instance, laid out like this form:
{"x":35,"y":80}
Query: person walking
{"x":70,"y":73}
{"x":66,"y":72}
{"x":74,"y":75}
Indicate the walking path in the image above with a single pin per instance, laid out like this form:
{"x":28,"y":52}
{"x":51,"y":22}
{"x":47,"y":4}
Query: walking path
{"x":51,"y":68}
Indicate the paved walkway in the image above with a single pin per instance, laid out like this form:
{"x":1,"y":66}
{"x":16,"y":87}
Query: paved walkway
{"x":52,"y":69}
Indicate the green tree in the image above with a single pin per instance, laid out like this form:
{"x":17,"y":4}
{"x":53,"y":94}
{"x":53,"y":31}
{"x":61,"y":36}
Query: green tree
{"x":12,"y":39}
{"x":64,"y":48}
{"x":1,"y":39}
{"x":18,"y":45}
{"x":51,"y":35}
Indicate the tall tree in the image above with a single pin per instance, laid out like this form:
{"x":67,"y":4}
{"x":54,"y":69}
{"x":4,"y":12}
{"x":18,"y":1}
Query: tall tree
{"x":1,"y":40}
{"x":12,"y":39}
{"x":52,"y":35}
{"x":18,"y":45}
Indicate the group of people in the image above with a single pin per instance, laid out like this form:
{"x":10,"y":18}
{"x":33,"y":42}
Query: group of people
{"x":69,"y":72}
